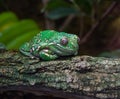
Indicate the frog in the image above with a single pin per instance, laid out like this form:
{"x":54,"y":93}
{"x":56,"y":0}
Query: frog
{"x":50,"y":44}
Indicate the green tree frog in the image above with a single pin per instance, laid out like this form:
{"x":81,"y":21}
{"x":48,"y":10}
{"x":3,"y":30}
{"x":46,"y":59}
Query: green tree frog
{"x":50,"y":44}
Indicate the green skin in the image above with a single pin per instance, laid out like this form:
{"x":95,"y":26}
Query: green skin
{"x":50,"y":44}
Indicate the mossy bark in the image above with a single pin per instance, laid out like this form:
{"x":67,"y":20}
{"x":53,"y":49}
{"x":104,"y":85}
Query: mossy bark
{"x":78,"y":77}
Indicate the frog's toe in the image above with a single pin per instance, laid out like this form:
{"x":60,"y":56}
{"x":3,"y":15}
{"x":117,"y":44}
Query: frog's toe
{"x":47,"y":56}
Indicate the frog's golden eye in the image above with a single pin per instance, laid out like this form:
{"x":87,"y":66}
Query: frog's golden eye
{"x":64,"y":41}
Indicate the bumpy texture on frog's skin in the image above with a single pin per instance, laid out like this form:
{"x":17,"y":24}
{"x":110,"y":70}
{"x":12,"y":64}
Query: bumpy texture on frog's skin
{"x":50,"y":44}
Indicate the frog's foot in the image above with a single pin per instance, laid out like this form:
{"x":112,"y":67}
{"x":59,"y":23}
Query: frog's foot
{"x":25,"y":50}
{"x":47,"y":55}
{"x":27,"y":54}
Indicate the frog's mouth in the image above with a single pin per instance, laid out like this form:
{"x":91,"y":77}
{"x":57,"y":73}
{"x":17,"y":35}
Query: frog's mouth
{"x":63,"y":51}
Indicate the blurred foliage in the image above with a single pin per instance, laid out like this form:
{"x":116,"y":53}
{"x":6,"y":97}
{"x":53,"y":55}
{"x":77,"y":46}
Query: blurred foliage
{"x":116,"y":24}
{"x":2,"y":47}
{"x":111,"y":54}
{"x":114,"y":43}
{"x":14,"y":32}
{"x":56,"y":14}
{"x":88,"y":13}
{"x":60,"y":8}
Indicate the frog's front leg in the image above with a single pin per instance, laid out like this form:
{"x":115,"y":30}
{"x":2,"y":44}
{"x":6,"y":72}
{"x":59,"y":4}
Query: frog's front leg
{"x":46,"y":54}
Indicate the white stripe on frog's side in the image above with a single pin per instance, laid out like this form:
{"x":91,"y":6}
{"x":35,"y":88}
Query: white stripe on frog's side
{"x":61,"y":51}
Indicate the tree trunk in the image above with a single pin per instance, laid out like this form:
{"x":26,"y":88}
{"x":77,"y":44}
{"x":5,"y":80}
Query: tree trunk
{"x":76,"y":77}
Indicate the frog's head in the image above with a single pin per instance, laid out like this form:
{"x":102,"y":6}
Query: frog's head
{"x":65,"y":44}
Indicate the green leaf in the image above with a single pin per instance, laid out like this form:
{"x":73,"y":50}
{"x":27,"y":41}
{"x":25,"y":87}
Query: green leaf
{"x":17,"y":42}
{"x":84,"y":5}
{"x":7,"y":19}
{"x":61,"y":12}
{"x":53,"y":4}
{"x":18,"y":29}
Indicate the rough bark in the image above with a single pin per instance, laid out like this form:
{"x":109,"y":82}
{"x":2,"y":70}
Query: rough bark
{"x":73,"y":77}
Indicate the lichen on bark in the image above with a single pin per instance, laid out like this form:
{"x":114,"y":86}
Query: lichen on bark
{"x":82,"y":75}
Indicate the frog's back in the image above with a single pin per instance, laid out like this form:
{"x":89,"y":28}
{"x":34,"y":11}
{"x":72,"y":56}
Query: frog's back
{"x":43,"y":36}
{"x":47,"y":35}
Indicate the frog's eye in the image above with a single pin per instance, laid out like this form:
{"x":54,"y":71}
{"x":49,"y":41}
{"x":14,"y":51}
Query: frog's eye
{"x":64,"y":41}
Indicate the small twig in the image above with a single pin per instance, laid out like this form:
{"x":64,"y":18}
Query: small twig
{"x":81,"y":26}
{"x":96,"y":25}
{"x":66,"y":22}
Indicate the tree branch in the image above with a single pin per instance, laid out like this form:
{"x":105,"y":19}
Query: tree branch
{"x":96,"y":25}
{"x":80,"y":76}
